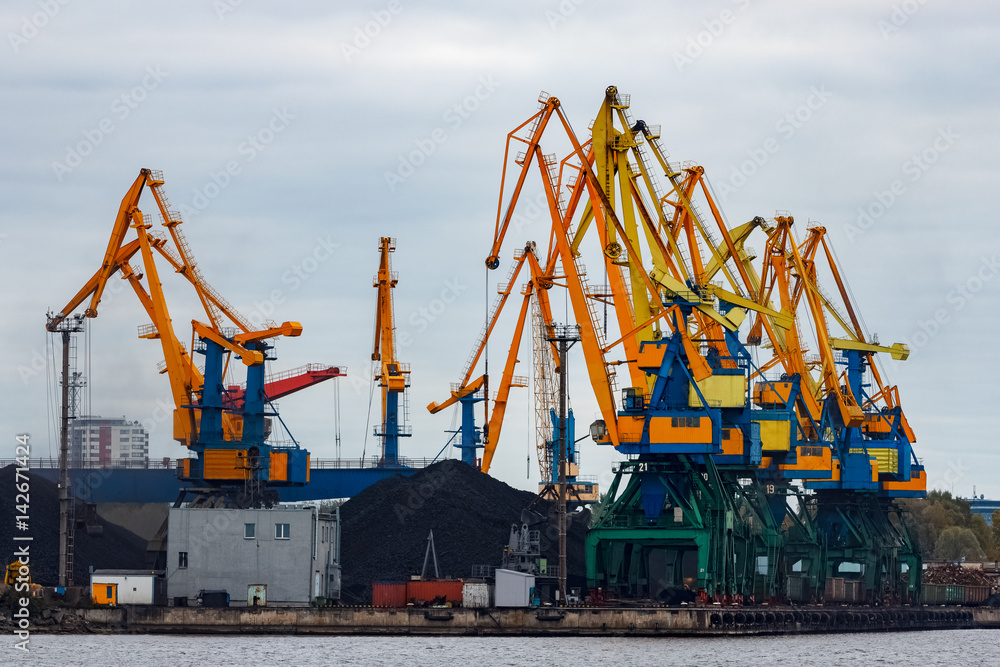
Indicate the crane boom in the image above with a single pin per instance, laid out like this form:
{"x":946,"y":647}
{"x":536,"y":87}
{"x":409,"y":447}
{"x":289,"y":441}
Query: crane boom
{"x":230,"y":447}
{"x":391,"y":375}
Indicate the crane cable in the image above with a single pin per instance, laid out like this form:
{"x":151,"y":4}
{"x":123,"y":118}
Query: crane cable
{"x":50,"y":369}
{"x":486,"y":362}
{"x":371,"y":393}
{"x":864,"y":326}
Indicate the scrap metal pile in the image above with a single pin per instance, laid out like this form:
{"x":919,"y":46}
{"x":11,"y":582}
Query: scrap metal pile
{"x":957,"y":575}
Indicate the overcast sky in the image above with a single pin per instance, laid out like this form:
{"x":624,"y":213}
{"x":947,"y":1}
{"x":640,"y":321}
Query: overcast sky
{"x":339,"y":125}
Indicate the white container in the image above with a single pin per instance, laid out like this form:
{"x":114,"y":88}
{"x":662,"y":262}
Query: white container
{"x":134,"y":586}
{"x":476,"y":594}
{"x":513,"y":589}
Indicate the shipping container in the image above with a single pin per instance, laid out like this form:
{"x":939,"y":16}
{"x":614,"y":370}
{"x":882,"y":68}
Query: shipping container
{"x":476,"y":594}
{"x":389,"y":594}
{"x":443,"y":590}
{"x":796,"y":588}
{"x":976,"y":594}
{"x":954,"y":594}
{"x":834,"y":589}
{"x":513,"y":589}
{"x":854,"y":591}
{"x":933,"y":594}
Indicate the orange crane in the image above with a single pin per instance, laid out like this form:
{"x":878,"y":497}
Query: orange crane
{"x":699,"y":444}
{"x":230,"y":446}
{"x":470,"y":391}
{"x":392,"y":376}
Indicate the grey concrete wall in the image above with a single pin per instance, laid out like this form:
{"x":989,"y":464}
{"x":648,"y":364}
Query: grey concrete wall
{"x":545,"y":621}
{"x":219,"y":557}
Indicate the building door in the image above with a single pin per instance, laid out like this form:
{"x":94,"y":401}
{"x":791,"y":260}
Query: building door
{"x":105,"y":593}
{"x":257,"y":595}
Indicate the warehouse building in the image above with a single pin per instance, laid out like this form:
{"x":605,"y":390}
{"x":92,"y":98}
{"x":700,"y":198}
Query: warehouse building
{"x":286,"y":556}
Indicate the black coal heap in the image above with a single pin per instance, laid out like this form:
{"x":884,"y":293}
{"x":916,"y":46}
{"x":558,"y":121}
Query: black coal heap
{"x":116,"y":548}
{"x":385,"y":527}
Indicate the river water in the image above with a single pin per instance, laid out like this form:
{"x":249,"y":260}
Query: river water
{"x":953,"y":648}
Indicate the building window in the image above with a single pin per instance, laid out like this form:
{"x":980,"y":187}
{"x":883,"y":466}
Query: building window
{"x":281,"y":531}
{"x":182,"y":560}
{"x":249,"y":531}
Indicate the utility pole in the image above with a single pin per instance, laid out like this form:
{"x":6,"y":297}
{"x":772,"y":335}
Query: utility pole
{"x":66,"y":327}
{"x":565,"y":336}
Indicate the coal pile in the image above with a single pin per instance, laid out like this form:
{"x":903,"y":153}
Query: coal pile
{"x":116,"y":548}
{"x":384,"y":528}
{"x":956,"y":575}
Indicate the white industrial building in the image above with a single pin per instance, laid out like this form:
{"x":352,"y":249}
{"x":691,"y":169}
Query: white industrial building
{"x":105,"y":443}
{"x":286,"y":556}
{"x":118,"y":587}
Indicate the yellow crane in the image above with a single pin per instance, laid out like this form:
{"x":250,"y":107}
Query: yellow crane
{"x":392,"y":376}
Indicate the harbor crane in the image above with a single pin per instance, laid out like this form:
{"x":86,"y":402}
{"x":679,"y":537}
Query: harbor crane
{"x":225,"y":428}
{"x":742,"y":476}
{"x":392,"y":375}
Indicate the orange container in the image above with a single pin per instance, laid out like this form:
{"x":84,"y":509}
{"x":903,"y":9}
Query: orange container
{"x":450,"y":590}
{"x":389,"y":594}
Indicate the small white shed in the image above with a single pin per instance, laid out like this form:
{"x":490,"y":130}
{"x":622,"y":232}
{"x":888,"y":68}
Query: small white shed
{"x":513,"y":589}
{"x":130,"y":586}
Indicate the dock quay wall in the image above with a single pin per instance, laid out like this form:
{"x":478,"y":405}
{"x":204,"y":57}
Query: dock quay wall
{"x":571,"y":621}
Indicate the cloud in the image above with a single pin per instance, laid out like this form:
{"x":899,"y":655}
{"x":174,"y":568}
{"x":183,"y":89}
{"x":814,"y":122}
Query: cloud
{"x":324,"y":174}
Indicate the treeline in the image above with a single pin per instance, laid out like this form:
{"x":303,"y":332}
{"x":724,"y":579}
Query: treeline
{"x":946,"y":529}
